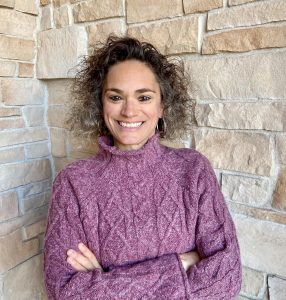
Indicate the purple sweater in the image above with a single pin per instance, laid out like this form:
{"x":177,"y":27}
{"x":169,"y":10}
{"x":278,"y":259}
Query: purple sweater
{"x":136,"y":211}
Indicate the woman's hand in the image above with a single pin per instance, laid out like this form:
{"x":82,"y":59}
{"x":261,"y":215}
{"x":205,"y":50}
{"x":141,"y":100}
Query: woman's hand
{"x":189,"y":259}
{"x":84,"y":260}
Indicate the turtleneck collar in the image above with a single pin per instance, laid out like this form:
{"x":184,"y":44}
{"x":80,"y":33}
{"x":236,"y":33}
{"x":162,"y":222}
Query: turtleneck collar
{"x":151,"y":150}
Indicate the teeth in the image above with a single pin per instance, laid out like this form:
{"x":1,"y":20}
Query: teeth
{"x":133,"y":125}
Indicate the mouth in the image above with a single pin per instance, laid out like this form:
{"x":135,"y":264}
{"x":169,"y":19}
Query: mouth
{"x":130,"y":124}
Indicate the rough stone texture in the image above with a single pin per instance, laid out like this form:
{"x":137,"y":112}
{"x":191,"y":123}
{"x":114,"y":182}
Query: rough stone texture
{"x":99,"y":32}
{"x":281,"y":148}
{"x":56,"y":115}
{"x":157,"y":9}
{"x":45,"y":2}
{"x":21,"y":92}
{"x":26,"y":70}
{"x":253,"y":283}
{"x":58,"y":3}
{"x":195,"y":6}
{"x":34,"y":115}
{"x":262,"y":244}
{"x":34,"y":188}
{"x":258,"y":13}
{"x":59,"y":91}
{"x":267,"y":116}
{"x":15,"y":48}
{"x":240,"y":40}
{"x":9,"y":111}
{"x":277,"y":288}
{"x":13,"y":251}
{"x":27,"y":6}
{"x":250,"y":191}
{"x":8,"y":206}
{"x":25,"y":281}
{"x":13,"y":175}
{"x":7,"y":3}
{"x":83,"y":145}
{"x":92,"y":10}
{"x":32,"y":230}
{"x":7,"y":68}
{"x":12,"y":155}
{"x":244,"y":77}
{"x":237,"y":2}
{"x":170,"y":37}
{"x":16,"y":23}
{"x":246,"y":152}
{"x":279,"y":197}
{"x":37,"y":150}
{"x":11,"y":123}
{"x":46,"y":19}
{"x":61,"y":16}
{"x":35,"y":201}
{"x":9,"y":138}
{"x":58,"y":142}
{"x":61,"y":162}
{"x":59,"y":50}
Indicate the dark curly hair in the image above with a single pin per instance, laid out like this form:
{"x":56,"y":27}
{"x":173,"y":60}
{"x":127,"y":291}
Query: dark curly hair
{"x":85,"y":115}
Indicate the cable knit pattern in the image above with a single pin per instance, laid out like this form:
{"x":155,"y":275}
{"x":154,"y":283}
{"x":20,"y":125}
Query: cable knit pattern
{"x":137,"y":210}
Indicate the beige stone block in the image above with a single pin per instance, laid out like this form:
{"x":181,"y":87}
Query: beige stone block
{"x":21,"y":92}
{"x":238,"y":151}
{"x":12,"y":155}
{"x":195,"y":6}
{"x":157,"y":9}
{"x":27,"y":6}
{"x":56,"y":115}
{"x":281,"y":148}
{"x":279,"y":196}
{"x":253,"y":283}
{"x":45,"y":2}
{"x":267,"y":116}
{"x":58,"y":3}
{"x":9,"y":111}
{"x":259,"y":76}
{"x":262,"y":244}
{"x":240,"y":40}
{"x":61,"y":16}
{"x":260,"y":12}
{"x":32,"y":230}
{"x":27,"y":135}
{"x":11,"y":123}
{"x":170,"y":37}
{"x":58,"y":142}
{"x":99,"y":32}
{"x":16,"y":48}
{"x":13,"y":251}
{"x":237,"y":2}
{"x":13,"y":22}
{"x":277,"y":288}
{"x":61,"y":162}
{"x":8,"y":206}
{"x":7,"y":68}
{"x":80,"y":144}
{"x":37,"y":150}
{"x":25,"y":281}
{"x":7,"y":3}
{"x":59,"y":51}
{"x":26,"y":70}
{"x":13,"y":175}
{"x":34,"y":188}
{"x":59,"y":91}
{"x":92,"y":10}
{"x":46,"y":18}
{"x":35,"y":201}
{"x":247,"y":190}
{"x":34,"y":115}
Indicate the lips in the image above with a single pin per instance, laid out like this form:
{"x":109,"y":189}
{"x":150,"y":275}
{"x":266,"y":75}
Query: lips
{"x":130,"y":124}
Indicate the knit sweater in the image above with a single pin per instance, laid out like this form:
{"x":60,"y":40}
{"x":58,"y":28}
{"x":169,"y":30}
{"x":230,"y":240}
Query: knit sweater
{"x":137,"y":211}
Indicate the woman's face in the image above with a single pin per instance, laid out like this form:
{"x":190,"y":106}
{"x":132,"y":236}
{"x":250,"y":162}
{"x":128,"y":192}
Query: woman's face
{"x":131,"y":104}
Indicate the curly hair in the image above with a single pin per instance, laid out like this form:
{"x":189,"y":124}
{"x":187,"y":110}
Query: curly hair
{"x":85,"y":115}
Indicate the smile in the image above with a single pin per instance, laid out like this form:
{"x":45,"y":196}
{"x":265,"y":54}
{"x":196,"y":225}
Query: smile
{"x":130,"y":125}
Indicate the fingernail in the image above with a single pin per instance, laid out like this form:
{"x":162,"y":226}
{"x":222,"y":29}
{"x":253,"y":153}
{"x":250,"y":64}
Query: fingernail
{"x":70,"y":252}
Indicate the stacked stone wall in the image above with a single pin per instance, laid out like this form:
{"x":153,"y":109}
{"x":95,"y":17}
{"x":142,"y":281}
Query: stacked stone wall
{"x":235,"y":53}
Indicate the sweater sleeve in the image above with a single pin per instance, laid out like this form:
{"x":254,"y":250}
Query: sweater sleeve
{"x":218,"y":275}
{"x":155,"y":278}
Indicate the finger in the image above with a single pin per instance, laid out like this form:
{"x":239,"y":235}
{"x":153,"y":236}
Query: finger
{"x":80,"y":259}
{"x":75,"y":265}
{"x":89,"y":254}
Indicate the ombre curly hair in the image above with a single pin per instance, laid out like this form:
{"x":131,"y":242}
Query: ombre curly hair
{"x":85,"y":116}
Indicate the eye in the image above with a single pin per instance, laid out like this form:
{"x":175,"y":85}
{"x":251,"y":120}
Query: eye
{"x":144,"y":98}
{"x":114,"y":98}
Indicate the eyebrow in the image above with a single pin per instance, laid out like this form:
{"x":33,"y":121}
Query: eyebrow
{"x":139,"y":91}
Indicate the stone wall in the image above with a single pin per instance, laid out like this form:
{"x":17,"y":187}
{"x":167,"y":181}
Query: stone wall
{"x":235,"y":53}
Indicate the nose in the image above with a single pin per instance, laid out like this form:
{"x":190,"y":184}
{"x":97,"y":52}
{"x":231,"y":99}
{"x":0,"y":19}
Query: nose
{"x":129,"y":108}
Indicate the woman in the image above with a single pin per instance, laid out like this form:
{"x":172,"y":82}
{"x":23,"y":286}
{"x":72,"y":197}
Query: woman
{"x":139,"y":220}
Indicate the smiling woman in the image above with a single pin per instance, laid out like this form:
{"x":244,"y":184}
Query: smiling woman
{"x":139,"y":220}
